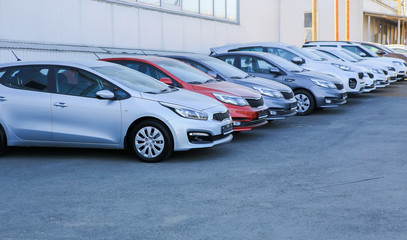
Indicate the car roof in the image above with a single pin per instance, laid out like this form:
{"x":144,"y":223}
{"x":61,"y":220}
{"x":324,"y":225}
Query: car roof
{"x":228,"y":47}
{"x":76,"y":63}
{"x":150,"y":58}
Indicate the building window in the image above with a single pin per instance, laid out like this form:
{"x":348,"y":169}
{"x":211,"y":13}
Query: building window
{"x":218,"y":9}
{"x":307,"y":27}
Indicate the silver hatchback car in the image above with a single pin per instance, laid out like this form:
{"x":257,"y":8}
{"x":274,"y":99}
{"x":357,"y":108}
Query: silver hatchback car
{"x":104,"y":105}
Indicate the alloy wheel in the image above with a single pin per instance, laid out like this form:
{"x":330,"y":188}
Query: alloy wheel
{"x":303,"y":102}
{"x":149,"y":142}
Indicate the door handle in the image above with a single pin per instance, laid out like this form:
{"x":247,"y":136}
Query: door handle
{"x":289,"y":80}
{"x":2,"y":99}
{"x":60,"y":104}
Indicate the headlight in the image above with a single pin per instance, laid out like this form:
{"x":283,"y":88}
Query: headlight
{"x":239,"y":101}
{"x":391,"y":69}
{"x":323,"y":83}
{"x":269,"y":92}
{"x":397,"y":63}
{"x":186,"y":112}
{"x":374,"y":70}
{"x":342,"y":67}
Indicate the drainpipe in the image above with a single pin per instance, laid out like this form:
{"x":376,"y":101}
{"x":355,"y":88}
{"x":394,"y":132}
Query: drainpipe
{"x":347,"y":20}
{"x":336,"y":21}
{"x":314,"y":20}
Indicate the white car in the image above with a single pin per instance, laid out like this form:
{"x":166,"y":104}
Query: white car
{"x":396,"y":66}
{"x":368,"y":76}
{"x":352,"y":81}
{"x":381,"y":74}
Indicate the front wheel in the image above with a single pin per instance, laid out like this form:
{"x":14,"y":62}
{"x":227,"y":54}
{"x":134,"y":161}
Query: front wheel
{"x":305,"y":102}
{"x":151,"y":141}
{"x":3,"y":142}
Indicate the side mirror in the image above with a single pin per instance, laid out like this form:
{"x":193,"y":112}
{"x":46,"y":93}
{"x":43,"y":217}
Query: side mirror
{"x":212,"y":74}
{"x":381,"y":53}
{"x":297,"y":60}
{"x":275,"y":71}
{"x":105,"y":94}
{"x":362,"y":54}
{"x":166,"y":80}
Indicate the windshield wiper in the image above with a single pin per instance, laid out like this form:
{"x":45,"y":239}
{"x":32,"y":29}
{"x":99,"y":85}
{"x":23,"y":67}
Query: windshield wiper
{"x":195,"y":82}
{"x":210,"y":80}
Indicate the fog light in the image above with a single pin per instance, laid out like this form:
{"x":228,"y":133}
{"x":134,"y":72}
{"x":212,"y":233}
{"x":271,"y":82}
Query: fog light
{"x":198,"y":134}
{"x":273,"y":112}
{"x":328,"y":101}
{"x":236,"y":123}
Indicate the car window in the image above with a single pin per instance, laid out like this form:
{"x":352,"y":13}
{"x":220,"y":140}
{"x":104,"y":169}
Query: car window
{"x":149,"y":70}
{"x":251,"y":49}
{"x":281,"y":53}
{"x":33,"y":78}
{"x":328,"y":45}
{"x":371,"y":48}
{"x":196,"y":65}
{"x":77,"y":82}
{"x":355,"y":50}
{"x":254,"y":64}
{"x":228,"y":59}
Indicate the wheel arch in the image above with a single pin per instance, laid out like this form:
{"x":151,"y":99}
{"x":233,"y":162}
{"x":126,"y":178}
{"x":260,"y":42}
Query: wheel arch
{"x":134,"y":123}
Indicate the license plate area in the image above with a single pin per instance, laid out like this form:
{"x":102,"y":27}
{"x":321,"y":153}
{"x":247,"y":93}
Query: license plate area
{"x":226,"y":129}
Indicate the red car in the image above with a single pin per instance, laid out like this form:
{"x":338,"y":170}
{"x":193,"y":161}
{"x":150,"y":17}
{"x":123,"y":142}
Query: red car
{"x":246,"y":106}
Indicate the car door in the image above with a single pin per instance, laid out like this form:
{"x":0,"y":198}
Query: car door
{"x":78,"y":115}
{"x":25,"y":101}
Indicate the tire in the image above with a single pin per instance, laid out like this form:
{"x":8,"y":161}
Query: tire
{"x":151,"y":141}
{"x":3,"y":142}
{"x":305,"y":102}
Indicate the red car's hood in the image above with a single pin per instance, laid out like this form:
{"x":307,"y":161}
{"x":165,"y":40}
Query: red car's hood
{"x":227,"y":88}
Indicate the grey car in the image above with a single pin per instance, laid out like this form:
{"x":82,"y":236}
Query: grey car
{"x":104,"y":105}
{"x":278,"y":97}
{"x":312,"y":89}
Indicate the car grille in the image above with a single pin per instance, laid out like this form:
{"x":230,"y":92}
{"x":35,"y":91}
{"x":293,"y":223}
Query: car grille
{"x":352,"y":83}
{"x":254,"y":103}
{"x":370,"y":75}
{"x":339,"y":86}
{"x":287,"y":95}
{"x":262,"y":114}
{"x":221,"y":116}
{"x":360,"y":75}
{"x":385,"y":72}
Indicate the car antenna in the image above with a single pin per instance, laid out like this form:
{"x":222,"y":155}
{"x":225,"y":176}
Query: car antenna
{"x":96,"y":55}
{"x":18,"y":60}
{"x":143,"y":52}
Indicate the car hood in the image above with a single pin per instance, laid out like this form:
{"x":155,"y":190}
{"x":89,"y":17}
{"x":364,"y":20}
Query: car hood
{"x":227,"y":88}
{"x":184,"y":98}
{"x":262,"y":82}
{"x":322,"y":76}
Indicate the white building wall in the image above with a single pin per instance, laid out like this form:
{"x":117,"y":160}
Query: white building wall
{"x":293,"y":23}
{"x":100,"y":23}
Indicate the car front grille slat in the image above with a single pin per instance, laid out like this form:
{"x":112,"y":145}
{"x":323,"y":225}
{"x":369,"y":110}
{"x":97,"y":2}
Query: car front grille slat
{"x":221,"y":116}
{"x":254,"y":103}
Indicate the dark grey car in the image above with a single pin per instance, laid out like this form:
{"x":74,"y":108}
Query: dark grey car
{"x":278,"y":97}
{"x":312,"y":89}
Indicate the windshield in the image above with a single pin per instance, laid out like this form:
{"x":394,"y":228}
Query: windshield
{"x":306,"y":54}
{"x":352,"y":55}
{"x":340,"y":54}
{"x":225,"y":68}
{"x":132,"y":79}
{"x":324,"y":55}
{"x":185,"y":72}
{"x":400,"y":50}
{"x":285,"y":64}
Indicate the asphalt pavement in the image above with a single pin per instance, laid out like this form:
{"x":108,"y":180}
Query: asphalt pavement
{"x":339,"y":173}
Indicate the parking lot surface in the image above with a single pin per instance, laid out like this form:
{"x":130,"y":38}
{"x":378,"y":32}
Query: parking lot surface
{"x":337,"y":174}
